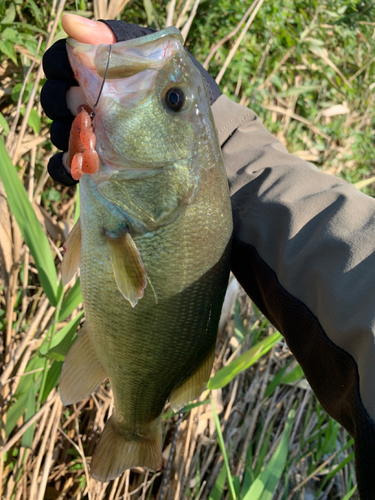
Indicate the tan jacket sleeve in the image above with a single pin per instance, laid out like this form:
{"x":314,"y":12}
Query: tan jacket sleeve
{"x":304,"y":250}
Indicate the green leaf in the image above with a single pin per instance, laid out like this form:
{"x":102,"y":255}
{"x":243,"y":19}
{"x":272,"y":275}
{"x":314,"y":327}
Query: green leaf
{"x":29,"y":225}
{"x":276,"y":381}
{"x":27,"y":381}
{"x":265,"y":484}
{"x":36,"y":11}
{"x":10,"y":15}
{"x":227,"y":373}
{"x":30,"y":27}
{"x":293,"y":375}
{"x":350,"y":493}
{"x":7,"y":48}
{"x":218,"y":488}
{"x":59,"y":346}
{"x":150,"y":12}
{"x":71,"y":301}
{"x":15,"y":412}
{"x":33,"y":121}
{"x":185,"y":409}
{"x":4,"y":124}
{"x":299,"y":90}
{"x":220,"y":440}
{"x":53,"y":378}
{"x":27,"y":438}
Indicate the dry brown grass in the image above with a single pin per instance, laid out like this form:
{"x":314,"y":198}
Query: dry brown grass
{"x":56,"y":466}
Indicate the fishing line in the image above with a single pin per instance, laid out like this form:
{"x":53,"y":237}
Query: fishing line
{"x":92,"y":114}
{"x":164,"y":483}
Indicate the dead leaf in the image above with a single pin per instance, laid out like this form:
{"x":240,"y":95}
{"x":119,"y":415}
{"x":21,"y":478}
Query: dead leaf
{"x":6,"y":253}
{"x":339,"y":109}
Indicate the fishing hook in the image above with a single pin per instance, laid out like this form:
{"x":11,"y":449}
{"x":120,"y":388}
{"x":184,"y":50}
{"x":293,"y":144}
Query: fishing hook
{"x":92,"y":114}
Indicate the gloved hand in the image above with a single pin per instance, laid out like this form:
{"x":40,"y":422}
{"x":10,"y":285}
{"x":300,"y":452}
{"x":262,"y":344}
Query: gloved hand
{"x":60,"y":80}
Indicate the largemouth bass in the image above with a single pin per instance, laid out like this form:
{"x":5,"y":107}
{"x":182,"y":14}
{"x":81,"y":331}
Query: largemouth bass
{"x":152,"y":242}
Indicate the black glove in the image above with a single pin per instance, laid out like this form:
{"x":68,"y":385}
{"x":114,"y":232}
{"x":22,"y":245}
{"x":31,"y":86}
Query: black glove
{"x":59,"y":80}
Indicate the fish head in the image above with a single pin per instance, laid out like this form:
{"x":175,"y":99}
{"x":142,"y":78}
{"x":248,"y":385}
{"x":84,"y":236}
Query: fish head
{"x":153,"y":110}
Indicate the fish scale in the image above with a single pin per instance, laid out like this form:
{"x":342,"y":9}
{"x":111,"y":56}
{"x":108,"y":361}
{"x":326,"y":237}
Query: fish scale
{"x":153,"y":246}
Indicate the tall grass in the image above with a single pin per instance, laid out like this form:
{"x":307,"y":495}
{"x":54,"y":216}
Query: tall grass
{"x":307,"y":68}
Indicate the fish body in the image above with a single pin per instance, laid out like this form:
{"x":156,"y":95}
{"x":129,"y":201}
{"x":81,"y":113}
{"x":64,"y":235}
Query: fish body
{"x":153,"y":243}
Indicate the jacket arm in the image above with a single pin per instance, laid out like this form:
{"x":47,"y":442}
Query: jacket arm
{"x":303,"y":250}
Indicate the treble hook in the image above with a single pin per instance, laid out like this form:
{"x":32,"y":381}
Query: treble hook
{"x":92,"y":114}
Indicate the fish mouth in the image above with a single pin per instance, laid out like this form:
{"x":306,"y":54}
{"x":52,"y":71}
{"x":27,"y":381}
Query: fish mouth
{"x":132,"y":56}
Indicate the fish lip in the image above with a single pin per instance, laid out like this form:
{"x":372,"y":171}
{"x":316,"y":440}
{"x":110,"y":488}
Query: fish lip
{"x":137,"y":42}
{"x":152,"y":37}
{"x":130,"y":56}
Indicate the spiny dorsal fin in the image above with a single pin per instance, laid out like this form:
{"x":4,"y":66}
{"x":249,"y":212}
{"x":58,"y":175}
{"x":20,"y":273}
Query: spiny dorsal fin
{"x":82,"y":371}
{"x":72,"y":255}
{"x":192,"y":388}
{"x":128,"y":268}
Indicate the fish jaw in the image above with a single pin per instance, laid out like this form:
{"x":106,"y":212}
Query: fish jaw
{"x":132,"y":117}
{"x":89,"y":62}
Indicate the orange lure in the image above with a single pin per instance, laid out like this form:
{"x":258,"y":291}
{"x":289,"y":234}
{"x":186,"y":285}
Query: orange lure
{"x":82,"y":156}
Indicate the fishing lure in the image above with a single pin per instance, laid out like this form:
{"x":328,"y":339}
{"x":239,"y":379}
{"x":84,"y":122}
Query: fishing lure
{"x":82,"y":156}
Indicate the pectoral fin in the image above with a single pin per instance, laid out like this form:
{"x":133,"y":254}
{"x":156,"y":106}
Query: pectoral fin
{"x":128,"y":268}
{"x":72,"y":255}
{"x":192,"y":388}
{"x":82,"y":371}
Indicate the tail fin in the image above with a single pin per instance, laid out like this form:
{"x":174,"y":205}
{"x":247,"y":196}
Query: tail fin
{"x":115,"y":453}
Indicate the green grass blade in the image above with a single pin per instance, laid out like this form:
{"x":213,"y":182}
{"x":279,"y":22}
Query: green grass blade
{"x":248,"y":358}
{"x":264,"y":486}
{"x":276,"y":381}
{"x":29,"y":225}
{"x":224,"y":452}
{"x":15,"y":412}
{"x":35,"y":365}
{"x":218,"y":488}
{"x":52,"y":379}
{"x":185,"y":409}
{"x":292,"y":376}
{"x":59,"y":346}
{"x":27,"y":438}
{"x":4,"y":124}
{"x":71,"y":301}
{"x":350,"y":493}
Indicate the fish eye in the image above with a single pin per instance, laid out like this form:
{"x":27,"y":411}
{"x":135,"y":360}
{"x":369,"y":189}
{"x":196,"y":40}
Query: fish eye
{"x":175,"y":99}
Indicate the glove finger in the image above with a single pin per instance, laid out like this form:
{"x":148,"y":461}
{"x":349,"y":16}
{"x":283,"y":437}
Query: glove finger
{"x":58,"y":172}
{"x":53,"y":100}
{"x":126,"y":31}
{"x":60,"y":132}
{"x":56,"y":64}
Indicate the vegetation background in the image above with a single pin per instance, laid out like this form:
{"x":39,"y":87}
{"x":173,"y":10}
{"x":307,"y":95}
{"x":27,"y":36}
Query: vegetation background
{"x":307,"y":67}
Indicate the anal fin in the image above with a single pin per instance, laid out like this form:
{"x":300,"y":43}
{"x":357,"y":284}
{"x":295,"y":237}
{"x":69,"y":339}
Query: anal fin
{"x":128,"y":268}
{"x":117,"y":452}
{"x":192,"y":388}
{"x":72,"y":255}
{"x":82,"y":371}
